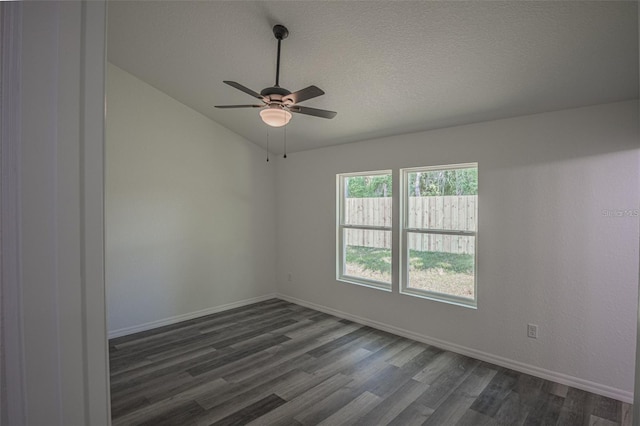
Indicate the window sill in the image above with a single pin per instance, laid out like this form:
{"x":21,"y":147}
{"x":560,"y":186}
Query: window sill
{"x":443,"y":298}
{"x":365,"y":283}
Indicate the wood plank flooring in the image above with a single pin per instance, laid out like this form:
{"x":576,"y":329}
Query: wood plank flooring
{"x":277,"y":363}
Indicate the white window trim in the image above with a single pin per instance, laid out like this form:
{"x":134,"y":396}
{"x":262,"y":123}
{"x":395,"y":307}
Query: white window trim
{"x":404,"y":248}
{"x":341,"y":226}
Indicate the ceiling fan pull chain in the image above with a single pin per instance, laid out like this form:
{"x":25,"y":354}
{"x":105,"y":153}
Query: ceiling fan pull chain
{"x":267,"y":144}
{"x":285,"y":142}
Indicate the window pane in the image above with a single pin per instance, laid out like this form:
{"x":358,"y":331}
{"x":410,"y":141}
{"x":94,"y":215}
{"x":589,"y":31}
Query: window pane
{"x":367,"y":200}
{"x":368,"y":254}
{"x":442,"y":264}
{"x":443,"y":199}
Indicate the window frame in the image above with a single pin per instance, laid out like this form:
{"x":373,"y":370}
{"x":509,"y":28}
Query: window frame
{"x":405,"y":230}
{"x":341,"y":227}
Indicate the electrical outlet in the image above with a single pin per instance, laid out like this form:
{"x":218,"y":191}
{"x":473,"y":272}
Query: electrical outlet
{"x":532,"y":331}
{"x":289,"y":278}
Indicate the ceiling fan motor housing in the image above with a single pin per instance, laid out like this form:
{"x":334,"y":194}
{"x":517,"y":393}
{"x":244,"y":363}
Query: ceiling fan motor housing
{"x":275,"y":91}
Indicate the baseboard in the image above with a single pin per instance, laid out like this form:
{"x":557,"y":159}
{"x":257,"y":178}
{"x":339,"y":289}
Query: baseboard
{"x":184,"y":317}
{"x":542,"y":373}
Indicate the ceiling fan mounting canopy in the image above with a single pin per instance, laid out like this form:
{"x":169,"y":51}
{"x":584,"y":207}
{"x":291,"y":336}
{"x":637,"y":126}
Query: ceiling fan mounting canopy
{"x":280,"y":31}
{"x":278,"y":97}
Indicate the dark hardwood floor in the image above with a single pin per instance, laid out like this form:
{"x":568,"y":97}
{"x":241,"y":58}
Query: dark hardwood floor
{"x":277,"y":363}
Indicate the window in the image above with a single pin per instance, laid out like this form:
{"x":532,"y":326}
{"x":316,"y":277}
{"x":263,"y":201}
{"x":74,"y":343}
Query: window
{"x":438,"y":239}
{"x":364,"y":228}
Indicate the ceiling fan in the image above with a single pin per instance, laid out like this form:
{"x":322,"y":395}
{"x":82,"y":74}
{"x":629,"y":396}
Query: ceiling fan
{"x":277,"y":102}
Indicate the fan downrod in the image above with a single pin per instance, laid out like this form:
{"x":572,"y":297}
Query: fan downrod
{"x":280,"y":31}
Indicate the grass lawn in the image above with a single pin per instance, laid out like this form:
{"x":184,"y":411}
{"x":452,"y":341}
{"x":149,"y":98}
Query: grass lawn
{"x":449,"y":273}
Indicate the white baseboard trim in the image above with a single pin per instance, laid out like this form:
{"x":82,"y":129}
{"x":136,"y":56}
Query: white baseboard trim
{"x":542,"y":373}
{"x":184,"y":317}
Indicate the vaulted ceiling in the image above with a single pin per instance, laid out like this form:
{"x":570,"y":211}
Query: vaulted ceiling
{"x":386,"y":67}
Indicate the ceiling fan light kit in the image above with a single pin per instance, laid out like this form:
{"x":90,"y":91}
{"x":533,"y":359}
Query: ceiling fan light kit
{"x":275,"y":116}
{"x":278,"y":103}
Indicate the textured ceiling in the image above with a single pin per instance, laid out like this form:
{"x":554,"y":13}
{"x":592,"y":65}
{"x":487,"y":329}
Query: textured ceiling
{"x":386,"y":67}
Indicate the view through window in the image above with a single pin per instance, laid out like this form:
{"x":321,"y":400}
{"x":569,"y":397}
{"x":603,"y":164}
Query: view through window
{"x":437,"y":255}
{"x":364,"y":234}
{"x":439,"y":232}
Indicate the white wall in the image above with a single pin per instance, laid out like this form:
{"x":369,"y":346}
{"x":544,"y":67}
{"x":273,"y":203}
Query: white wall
{"x":546,"y":253}
{"x":190,"y":210}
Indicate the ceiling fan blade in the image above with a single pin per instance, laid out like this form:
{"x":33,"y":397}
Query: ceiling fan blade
{"x":304,"y":94}
{"x":244,"y":89}
{"x":239,"y":106}
{"x":323,"y":113}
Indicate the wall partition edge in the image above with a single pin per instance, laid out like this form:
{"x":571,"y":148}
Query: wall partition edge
{"x":60,"y":222}
{"x":12,"y":407}
{"x":636,"y":397}
{"x":94,"y":54}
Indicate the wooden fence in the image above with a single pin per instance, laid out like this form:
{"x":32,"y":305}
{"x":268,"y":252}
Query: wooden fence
{"x":444,"y":213}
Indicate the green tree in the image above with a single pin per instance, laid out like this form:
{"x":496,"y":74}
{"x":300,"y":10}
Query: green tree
{"x":368,"y":186}
{"x":444,"y":182}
